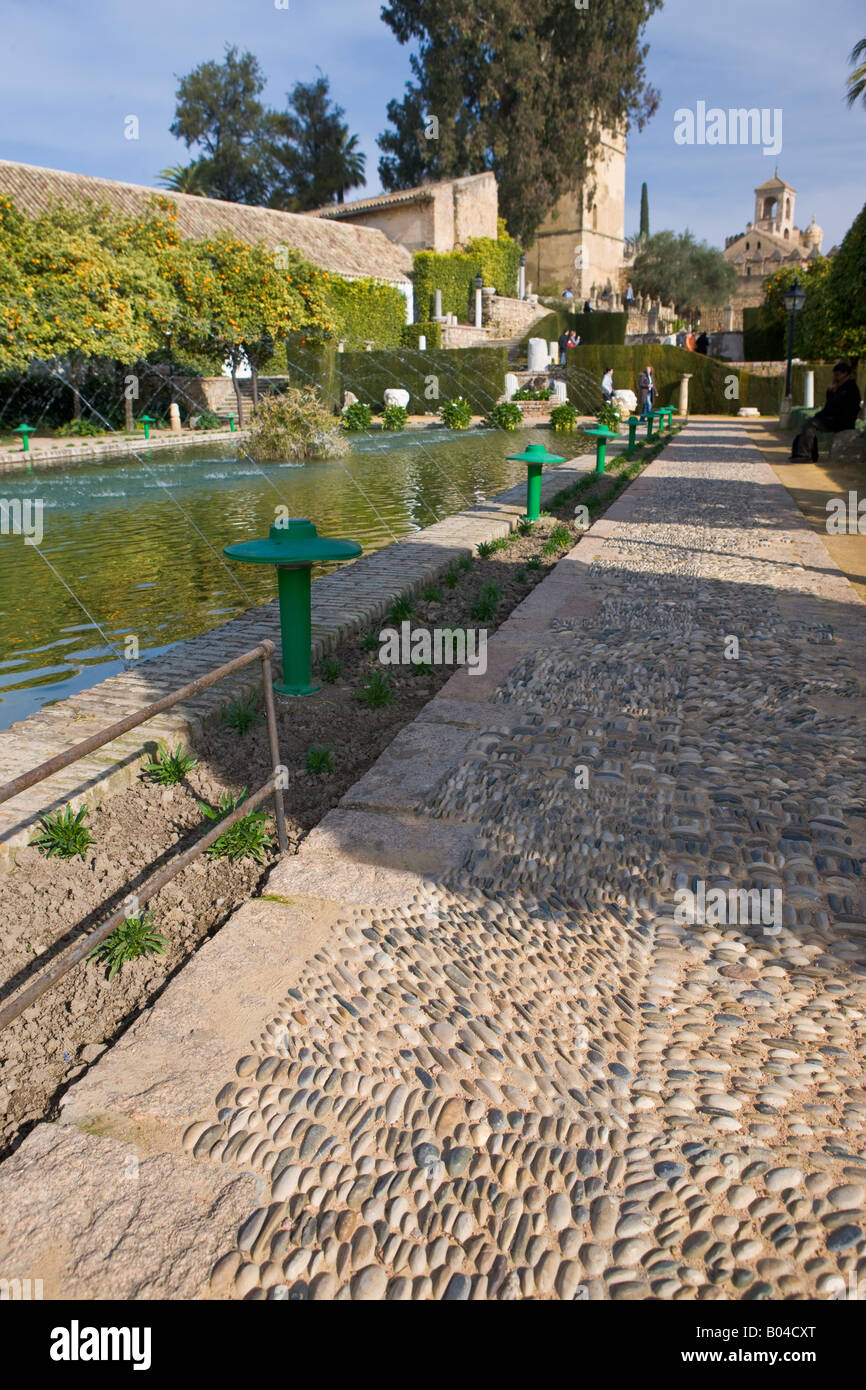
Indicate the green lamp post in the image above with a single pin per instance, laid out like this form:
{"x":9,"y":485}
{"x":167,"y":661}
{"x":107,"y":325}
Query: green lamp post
{"x":25,"y":431}
{"x":232,"y":423}
{"x":651,"y":415}
{"x":294,"y":547}
{"x":601,"y":434}
{"x":633,"y":422}
{"x":535,"y":456}
{"x":147,"y":421}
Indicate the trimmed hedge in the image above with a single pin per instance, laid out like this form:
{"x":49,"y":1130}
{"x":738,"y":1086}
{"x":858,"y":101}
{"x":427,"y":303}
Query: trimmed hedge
{"x":709,"y":389}
{"x":430,"y":377}
{"x":366,"y":311}
{"x":498,"y":262}
{"x":315,"y":364}
{"x":762,"y":342}
{"x":413,"y":331}
{"x":593,"y":328}
{"x":453,"y":274}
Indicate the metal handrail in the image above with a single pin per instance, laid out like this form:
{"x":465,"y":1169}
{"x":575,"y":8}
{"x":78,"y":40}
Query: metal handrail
{"x":272,"y":786}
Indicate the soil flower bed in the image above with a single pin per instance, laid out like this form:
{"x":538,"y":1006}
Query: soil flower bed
{"x":326,"y":742}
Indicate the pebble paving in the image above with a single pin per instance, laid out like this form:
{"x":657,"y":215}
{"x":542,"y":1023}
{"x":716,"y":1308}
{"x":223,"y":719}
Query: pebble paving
{"x":534,"y":1080}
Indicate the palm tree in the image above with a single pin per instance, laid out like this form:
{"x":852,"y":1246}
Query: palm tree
{"x":351,"y":164}
{"x":185,"y":178}
{"x":857,"y":80}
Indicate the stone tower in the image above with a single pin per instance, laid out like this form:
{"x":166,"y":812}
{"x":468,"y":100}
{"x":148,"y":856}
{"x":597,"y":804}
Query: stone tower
{"x":774,"y":207}
{"x":581,"y":243}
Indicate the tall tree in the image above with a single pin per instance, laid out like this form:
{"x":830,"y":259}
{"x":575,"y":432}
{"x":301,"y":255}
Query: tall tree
{"x":219,"y":111}
{"x":644,"y":212}
{"x":314,"y":159}
{"x":857,"y":79}
{"x":678,"y":270}
{"x":185,"y":178}
{"x":846,"y":291}
{"x":522,"y":87}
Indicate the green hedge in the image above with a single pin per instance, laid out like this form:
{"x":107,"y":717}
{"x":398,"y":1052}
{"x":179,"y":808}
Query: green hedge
{"x":452,"y":274}
{"x":498,"y":262}
{"x":430,"y":377}
{"x":707,"y":388}
{"x":762,"y":342}
{"x":600,"y":327}
{"x":366,"y":311}
{"x":431,"y":331}
{"x":314,"y":364}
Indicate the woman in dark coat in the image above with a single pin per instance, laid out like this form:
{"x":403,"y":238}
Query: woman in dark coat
{"x":646,"y":390}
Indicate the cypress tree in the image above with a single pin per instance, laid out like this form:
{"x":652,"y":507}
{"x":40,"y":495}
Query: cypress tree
{"x":644,"y":212}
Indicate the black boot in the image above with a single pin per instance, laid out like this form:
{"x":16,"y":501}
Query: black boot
{"x":814,"y":451}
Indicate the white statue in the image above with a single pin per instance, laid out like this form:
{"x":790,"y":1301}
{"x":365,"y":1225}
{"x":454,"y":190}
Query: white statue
{"x":396,"y":396}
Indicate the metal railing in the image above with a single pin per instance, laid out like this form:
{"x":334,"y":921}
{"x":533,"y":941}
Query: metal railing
{"x":263,"y":652}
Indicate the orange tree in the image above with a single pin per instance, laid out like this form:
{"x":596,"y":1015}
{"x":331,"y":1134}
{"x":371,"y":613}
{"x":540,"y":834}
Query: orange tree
{"x":237,"y":300}
{"x":16,"y":292}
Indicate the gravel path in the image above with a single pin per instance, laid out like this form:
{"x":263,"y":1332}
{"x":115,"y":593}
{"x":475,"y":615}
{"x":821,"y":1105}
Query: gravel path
{"x":534,"y":1079}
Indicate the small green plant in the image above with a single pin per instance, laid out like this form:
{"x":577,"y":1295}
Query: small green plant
{"x":79,"y":429}
{"x":169,"y":768}
{"x":451,"y":579}
{"x":421,"y":668}
{"x":456,"y":414}
{"x":485,"y":606}
{"x":401,"y":609}
{"x":465,"y":563}
{"x":501,"y":543}
{"x":560,"y":538}
{"x":241,"y":715}
{"x":484,"y":550}
{"x":371,"y":642}
{"x":331,"y":668}
{"x":132,"y":938}
{"x":525,"y":526}
{"x":376,"y":692}
{"x":564,"y":417}
{"x":534,"y":563}
{"x":506,"y":416}
{"x":520,"y":577}
{"x":431,"y":594}
{"x":394,"y":417}
{"x":357,"y":417}
{"x":319,"y":760}
{"x":608,"y":415}
{"x":527,"y":394}
{"x":247,"y":838}
{"x":65,"y":835}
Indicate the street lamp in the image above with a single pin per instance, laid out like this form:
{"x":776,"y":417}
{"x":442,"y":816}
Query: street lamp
{"x":794,"y":301}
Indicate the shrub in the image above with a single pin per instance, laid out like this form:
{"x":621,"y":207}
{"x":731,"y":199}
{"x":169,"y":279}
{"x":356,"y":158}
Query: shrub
{"x":401,"y":609}
{"x":371,"y":642}
{"x":451,"y":579}
{"x":63,"y":836}
{"x":357,"y":416}
{"x":431,"y":594}
{"x":525,"y":526}
{"x":608,"y":415}
{"x":376,"y":692}
{"x":525,"y":394}
{"x":85,"y":429}
{"x":319,"y":760}
{"x":296,"y":425}
{"x":564,"y":417}
{"x":169,"y":769}
{"x":456,"y":414}
{"x":534,"y":563}
{"x":241,"y":715}
{"x":560,"y":538}
{"x":485,"y":606}
{"x":465,"y":563}
{"x":132,"y":938}
{"x":247,"y":838}
{"x":506,"y":416}
{"x":366,"y":311}
{"x":394,"y":417}
{"x":484,"y":549}
{"x":331,"y":668}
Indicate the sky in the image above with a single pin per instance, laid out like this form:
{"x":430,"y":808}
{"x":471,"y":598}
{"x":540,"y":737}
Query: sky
{"x":74,"y":70}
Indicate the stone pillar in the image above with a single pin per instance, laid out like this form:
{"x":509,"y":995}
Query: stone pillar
{"x":174,"y":417}
{"x":685,"y":378}
{"x":539,"y":352}
{"x":560,"y":392}
{"x":809,"y":389}
{"x":422,"y":342}
{"x":437,"y":313}
{"x":729,"y":318}
{"x":479,"y":309}
{"x":521,"y":282}
{"x":785,"y":412}
{"x":553,"y":359}
{"x":510,"y":385}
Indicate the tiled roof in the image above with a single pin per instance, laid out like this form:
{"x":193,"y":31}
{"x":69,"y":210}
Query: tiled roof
{"x":345,"y":250}
{"x":422,"y":194}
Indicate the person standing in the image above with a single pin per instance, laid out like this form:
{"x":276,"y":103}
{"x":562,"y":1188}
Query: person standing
{"x":629,"y":296}
{"x":690,"y":340}
{"x":703,"y":344}
{"x":587,"y":307}
{"x":607,"y":385}
{"x":646,"y":391}
{"x":564,"y":345}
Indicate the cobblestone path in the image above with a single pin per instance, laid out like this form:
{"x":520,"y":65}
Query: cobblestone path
{"x":532,"y":1076}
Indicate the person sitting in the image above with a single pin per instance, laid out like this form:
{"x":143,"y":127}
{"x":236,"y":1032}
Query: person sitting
{"x":607,"y":385}
{"x":568,"y":294}
{"x":587,"y":307}
{"x":839,"y":412}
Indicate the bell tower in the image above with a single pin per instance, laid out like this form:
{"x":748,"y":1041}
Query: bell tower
{"x":774,"y":207}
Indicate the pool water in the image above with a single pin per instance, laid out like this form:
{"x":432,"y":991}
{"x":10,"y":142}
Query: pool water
{"x":133,"y":548}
